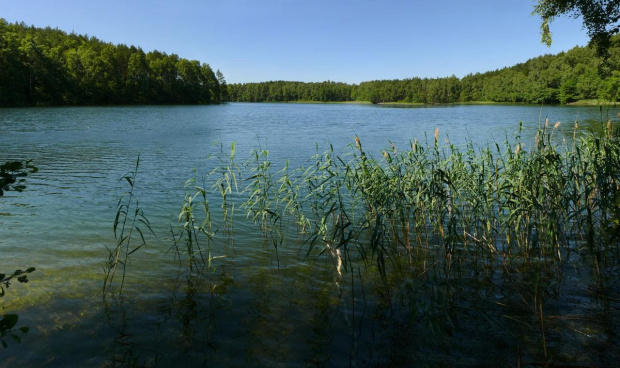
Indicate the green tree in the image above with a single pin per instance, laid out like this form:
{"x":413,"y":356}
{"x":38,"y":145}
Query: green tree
{"x":600,"y":17}
{"x":188,"y":84}
{"x":210,"y":91}
{"x":610,"y":89}
{"x":44,"y":66}
{"x":568,"y":90}
{"x":224,"y":94}
{"x":137,"y":81}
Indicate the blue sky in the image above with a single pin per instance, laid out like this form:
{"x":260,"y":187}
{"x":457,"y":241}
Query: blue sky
{"x":343,"y":40}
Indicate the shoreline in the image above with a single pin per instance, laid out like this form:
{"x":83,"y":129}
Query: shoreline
{"x":420,"y":104}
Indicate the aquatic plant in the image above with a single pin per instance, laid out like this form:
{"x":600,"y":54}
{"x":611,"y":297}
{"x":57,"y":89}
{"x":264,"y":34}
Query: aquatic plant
{"x":439,"y":239}
{"x":431,"y":221}
{"x":129,"y":218}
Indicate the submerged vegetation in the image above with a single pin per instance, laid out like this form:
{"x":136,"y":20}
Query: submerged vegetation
{"x":441,"y":243}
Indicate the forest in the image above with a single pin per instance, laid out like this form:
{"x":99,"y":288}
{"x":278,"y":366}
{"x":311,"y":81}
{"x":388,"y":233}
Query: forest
{"x":49,"y":67}
{"x":576,"y":75}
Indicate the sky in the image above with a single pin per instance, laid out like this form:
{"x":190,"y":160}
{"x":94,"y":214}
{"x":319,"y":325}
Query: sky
{"x":315,"y":40}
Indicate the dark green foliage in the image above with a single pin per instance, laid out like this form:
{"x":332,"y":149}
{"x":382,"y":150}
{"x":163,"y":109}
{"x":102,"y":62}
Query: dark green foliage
{"x":12,"y":175}
{"x":577,"y":74}
{"x":11,"y":178}
{"x":50,"y":67}
{"x":5,"y":280}
{"x":9,"y":321}
{"x":7,"y":325}
{"x":281,"y":91}
{"x":224,"y":95}
{"x":600,"y":17}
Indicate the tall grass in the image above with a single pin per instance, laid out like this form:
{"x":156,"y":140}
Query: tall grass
{"x":129,"y":219}
{"x":494,"y":206}
{"x":437,"y":229}
{"x":511,"y":215}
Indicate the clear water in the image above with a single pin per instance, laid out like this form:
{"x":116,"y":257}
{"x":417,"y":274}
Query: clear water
{"x":258,"y":316}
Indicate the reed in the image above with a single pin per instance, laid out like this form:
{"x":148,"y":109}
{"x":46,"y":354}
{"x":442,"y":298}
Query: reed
{"x":510,"y":216}
{"x":129,"y":218}
{"x":429,"y":228}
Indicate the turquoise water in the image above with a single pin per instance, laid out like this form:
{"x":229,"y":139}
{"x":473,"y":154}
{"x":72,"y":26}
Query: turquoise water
{"x":62,"y":223}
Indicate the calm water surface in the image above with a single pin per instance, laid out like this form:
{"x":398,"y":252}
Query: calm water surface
{"x":62,"y":225}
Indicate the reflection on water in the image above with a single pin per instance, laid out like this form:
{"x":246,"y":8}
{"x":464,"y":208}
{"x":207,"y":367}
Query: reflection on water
{"x":250,"y":311}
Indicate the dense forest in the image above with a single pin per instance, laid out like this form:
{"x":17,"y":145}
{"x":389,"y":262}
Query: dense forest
{"x":50,"y":67}
{"x":44,"y":66}
{"x":282,"y":91}
{"x":578,"y":74}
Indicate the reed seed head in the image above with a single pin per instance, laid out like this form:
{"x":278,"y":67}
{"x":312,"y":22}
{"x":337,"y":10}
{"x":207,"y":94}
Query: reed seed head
{"x":358,"y":144}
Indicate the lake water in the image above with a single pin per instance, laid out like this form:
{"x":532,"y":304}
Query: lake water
{"x":258,"y":316}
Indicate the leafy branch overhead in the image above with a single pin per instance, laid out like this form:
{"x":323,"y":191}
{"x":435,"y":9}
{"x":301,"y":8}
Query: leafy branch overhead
{"x":600,"y":17}
{"x":12,"y":175}
{"x":5,"y":281}
{"x":9,"y":321}
{"x":12,"y":178}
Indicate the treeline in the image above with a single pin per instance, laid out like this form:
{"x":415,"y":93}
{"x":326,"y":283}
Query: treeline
{"x":50,"y":67}
{"x":577,"y":74}
{"x":282,"y":91}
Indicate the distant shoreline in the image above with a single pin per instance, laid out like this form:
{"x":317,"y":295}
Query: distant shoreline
{"x":593,"y":103}
{"x":420,"y":104}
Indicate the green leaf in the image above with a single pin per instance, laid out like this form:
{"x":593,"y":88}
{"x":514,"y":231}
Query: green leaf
{"x":8,"y":321}
{"x":135,"y":249}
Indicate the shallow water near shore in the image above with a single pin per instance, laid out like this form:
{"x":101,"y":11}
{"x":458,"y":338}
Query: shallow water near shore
{"x":254,"y":307}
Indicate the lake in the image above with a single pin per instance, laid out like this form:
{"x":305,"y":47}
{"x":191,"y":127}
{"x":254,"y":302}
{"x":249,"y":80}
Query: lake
{"x":262,"y":311}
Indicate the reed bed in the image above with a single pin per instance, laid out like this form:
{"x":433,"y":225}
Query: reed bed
{"x":438,"y":231}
